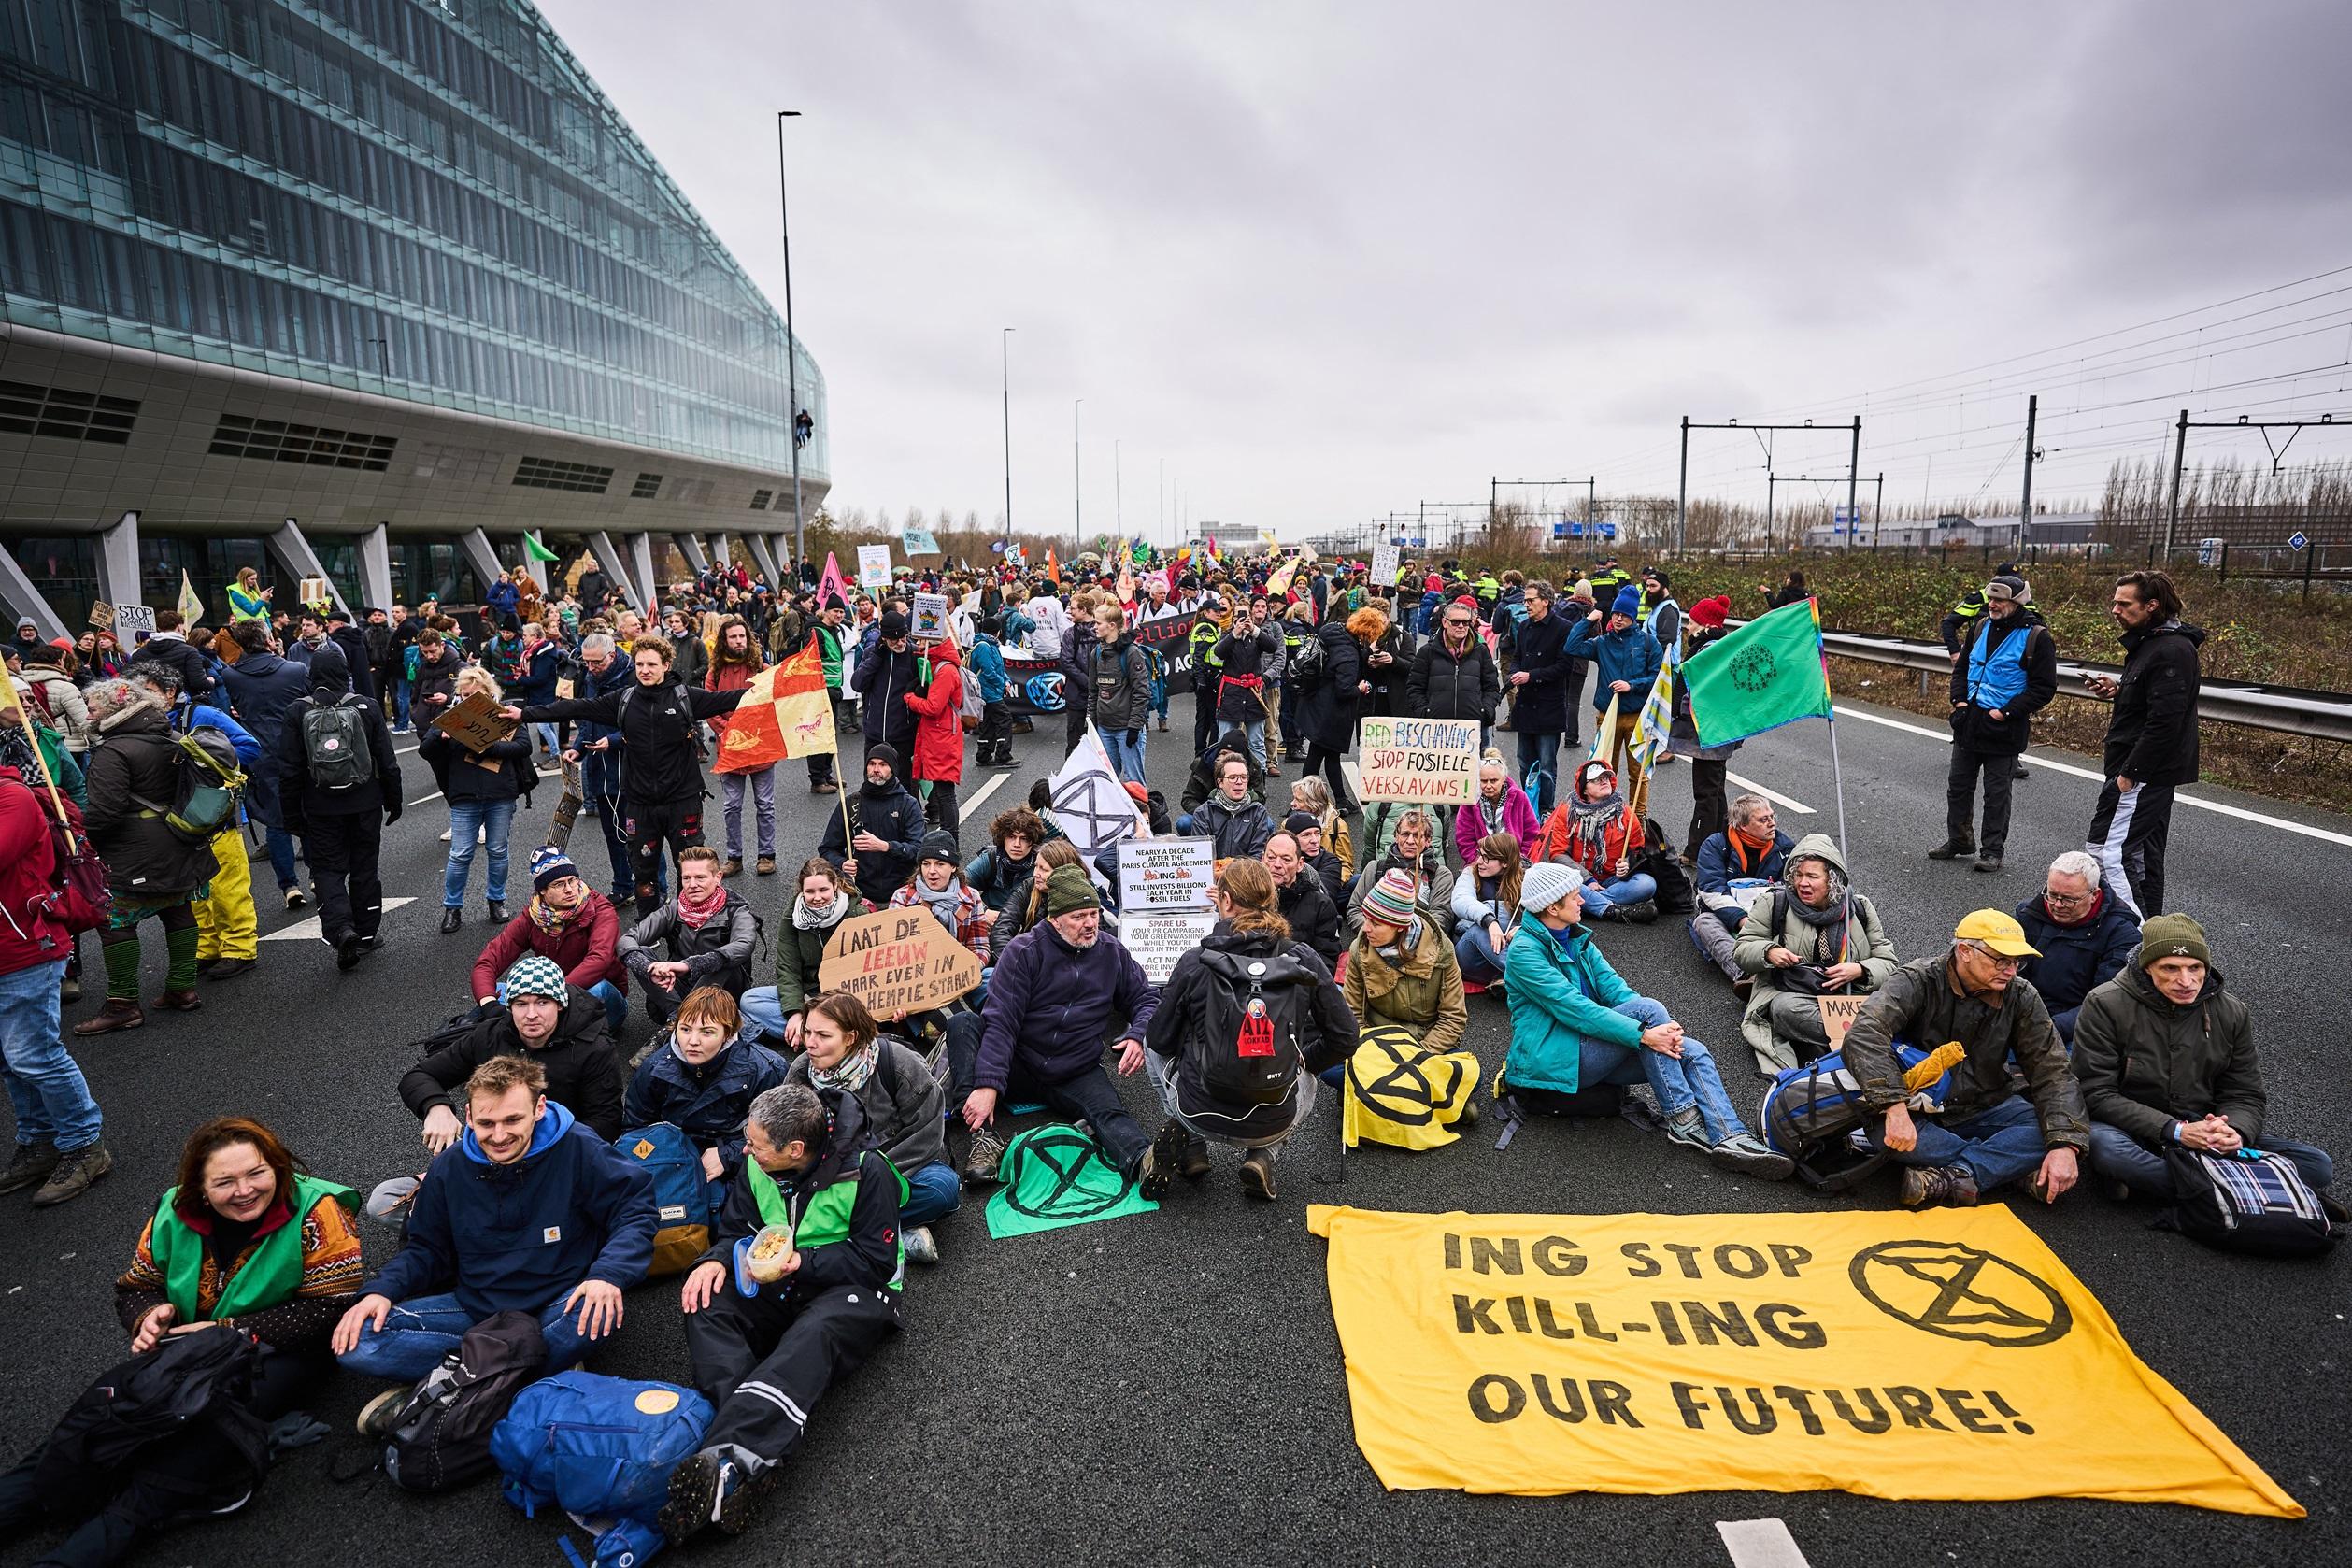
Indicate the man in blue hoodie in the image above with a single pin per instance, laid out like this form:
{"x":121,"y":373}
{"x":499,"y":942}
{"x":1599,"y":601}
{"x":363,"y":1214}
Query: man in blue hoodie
{"x":1627,"y":658}
{"x":527,"y":1211}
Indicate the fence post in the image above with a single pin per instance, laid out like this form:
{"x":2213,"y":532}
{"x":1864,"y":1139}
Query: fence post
{"x":2311,"y":553}
{"x":2225,"y":561}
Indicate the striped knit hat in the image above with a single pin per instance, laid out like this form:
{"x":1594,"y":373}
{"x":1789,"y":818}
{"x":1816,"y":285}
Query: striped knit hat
{"x":1391,"y":898}
{"x":536,"y":976}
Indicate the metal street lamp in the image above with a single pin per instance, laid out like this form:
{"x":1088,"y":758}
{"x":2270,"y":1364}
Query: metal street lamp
{"x":1005,"y":354}
{"x":1078,"y":492}
{"x":792,"y":350}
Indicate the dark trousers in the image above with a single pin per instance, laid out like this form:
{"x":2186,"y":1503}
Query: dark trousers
{"x":343,"y":851}
{"x":1090,"y":1097}
{"x":2000,"y":769}
{"x":996,"y":730}
{"x":675,"y":825}
{"x":1203,"y":711}
{"x":1319,"y":756}
{"x":1710,"y":811}
{"x":2127,"y":835}
{"x":764,"y":1363}
{"x":939,"y":805}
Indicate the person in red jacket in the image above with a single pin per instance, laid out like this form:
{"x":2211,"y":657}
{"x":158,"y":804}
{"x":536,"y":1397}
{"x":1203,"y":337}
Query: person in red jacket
{"x":564,"y":921}
{"x":57,"y":1123}
{"x":939,"y":733}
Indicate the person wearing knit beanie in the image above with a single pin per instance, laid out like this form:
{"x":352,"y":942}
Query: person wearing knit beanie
{"x":1546,"y":883}
{"x":1068,"y":891}
{"x":1711,"y":613}
{"x":1627,"y":603}
{"x":1626,"y":659}
{"x":2172,"y":936}
{"x":536,"y":976}
{"x":1392,"y":899}
{"x":550,"y":864}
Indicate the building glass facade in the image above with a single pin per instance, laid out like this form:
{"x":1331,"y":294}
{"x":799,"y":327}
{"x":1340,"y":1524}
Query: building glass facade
{"x":427,"y":200}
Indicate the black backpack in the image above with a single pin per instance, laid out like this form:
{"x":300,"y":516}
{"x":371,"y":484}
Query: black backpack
{"x":1306,"y":667}
{"x":442,"y":1437}
{"x":1247,"y":1051}
{"x":334,"y":737}
{"x":188,"y":1382}
{"x":2248,"y":1202}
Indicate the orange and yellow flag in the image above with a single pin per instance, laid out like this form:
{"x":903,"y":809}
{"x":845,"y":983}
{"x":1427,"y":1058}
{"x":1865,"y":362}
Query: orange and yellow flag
{"x":786,"y":712}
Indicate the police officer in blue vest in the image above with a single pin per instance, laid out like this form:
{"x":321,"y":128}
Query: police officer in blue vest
{"x":2006,"y":672}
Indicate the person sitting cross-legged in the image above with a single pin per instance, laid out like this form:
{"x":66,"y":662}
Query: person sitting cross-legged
{"x":1987,"y":1133}
{"x":2086,"y":937}
{"x":702,"y":937}
{"x":1307,"y":905}
{"x":533,"y":1013}
{"x":1734,"y":867}
{"x":1412,"y":851}
{"x":1233,"y":818}
{"x":1575,"y":1022}
{"x":2166,"y":1056}
{"x":528,"y":1212}
{"x":826,"y":898}
{"x":1817,"y":937}
{"x":906,"y":1107}
{"x":764,"y":1352}
{"x":1595,"y":831}
{"x":1402,"y":971}
{"x":703,"y":1078}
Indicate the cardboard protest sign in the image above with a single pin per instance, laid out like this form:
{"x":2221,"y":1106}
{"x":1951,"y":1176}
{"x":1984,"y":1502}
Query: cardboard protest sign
{"x":1384,"y":564}
{"x":1426,"y":761}
{"x":1946,"y":1353}
{"x":1165,"y":875}
{"x":930,"y":616}
{"x":101,"y":616}
{"x":1157,"y":941}
{"x":132,"y":623}
{"x":898,"y":961}
{"x":474,"y":723}
{"x":874,"y":565}
{"x":1838,"y":1014}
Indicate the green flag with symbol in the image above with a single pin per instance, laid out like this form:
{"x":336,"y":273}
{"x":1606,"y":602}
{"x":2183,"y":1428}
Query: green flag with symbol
{"x":1056,"y":1176}
{"x":1767,"y":673}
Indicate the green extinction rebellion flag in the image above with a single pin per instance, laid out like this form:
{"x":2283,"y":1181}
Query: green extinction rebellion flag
{"x":1056,"y":1176}
{"x":1767,"y":673}
{"x":534,"y":550}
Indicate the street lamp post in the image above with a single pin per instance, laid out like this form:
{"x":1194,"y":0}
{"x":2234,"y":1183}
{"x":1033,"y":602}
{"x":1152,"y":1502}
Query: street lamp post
{"x":1005,"y":355}
{"x":1077,"y":486}
{"x":792,"y":350}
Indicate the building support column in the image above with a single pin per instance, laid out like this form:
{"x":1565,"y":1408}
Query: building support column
{"x":641,"y":562}
{"x":119,"y":561}
{"x":723,"y":548}
{"x":691,"y":547}
{"x":766,"y":559}
{"x":25,"y":601}
{"x":294,"y":556}
{"x":483,"y":557}
{"x":375,"y":582}
{"x":615,"y":564}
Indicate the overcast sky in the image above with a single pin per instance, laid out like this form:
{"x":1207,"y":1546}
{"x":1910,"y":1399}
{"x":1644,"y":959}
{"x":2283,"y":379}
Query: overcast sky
{"x":1326,"y":262}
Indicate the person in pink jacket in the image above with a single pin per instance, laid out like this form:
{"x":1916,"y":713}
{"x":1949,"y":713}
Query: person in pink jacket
{"x":1501,"y":806}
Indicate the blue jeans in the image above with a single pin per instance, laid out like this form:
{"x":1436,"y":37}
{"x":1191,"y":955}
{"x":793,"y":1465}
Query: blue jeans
{"x":1998,"y":1144}
{"x":1479,"y":961}
{"x":1254,"y":730}
{"x":762,"y":1013}
{"x":281,"y":858}
{"x":545,"y":735}
{"x":1622,"y":890}
{"x":1127,"y":760}
{"x":2119,"y":1156}
{"x":1539,"y":752}
{"x":1679,"y":1082}
{"x":402,"y":688}
{"x":616,"y":1004}
{"x":496,"y":818}
{"x":933,"y":1193}
{"x":52,"y":1099}
{"x":420,"y":1332}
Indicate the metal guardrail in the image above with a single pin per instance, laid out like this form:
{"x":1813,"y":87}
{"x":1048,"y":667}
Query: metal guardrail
{"x":2289,"y":710}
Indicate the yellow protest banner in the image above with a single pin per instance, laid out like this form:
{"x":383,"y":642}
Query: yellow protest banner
{"x":1941,"y":1354}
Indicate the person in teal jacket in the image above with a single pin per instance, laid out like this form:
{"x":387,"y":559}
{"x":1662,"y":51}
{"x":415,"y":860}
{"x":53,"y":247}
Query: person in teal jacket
{"x":1574,"y":1021}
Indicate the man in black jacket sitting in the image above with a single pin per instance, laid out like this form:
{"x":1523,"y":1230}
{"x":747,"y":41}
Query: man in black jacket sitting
{"x":702,"y":937}
{"x":1304,"y":901}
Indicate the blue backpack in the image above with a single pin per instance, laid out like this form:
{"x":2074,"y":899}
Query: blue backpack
{"x":1813,"y":1113}
{"x":680,"y":1200}
{"x":599,"y":1449}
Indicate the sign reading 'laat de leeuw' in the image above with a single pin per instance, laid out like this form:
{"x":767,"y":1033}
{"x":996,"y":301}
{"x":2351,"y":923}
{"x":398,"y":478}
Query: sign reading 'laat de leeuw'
{"x":1428,"y":761}
{"x":898,"y":961}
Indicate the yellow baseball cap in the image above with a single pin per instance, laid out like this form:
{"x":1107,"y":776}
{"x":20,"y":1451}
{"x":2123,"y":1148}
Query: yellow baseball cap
{"x":2000,"y":932}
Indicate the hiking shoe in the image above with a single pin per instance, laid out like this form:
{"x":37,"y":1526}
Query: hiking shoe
{"x":697,"y":1487}
{"x":452,"y":919}
{"x":1687,"y":1127}
{"x":988,"y":1152}
{"x":205,"y":966}
{"x":118,"y":1013}
{"x":71,"y":990}
{"x":73,"y":1174}
{"x":349,"y":951}
{"x":1469,"y":1117}
{"x":741,"y":1496}
{"x":380,"y":1415}
{"x":1160,"y":1160}
{"x":1750,"y":1156}
{"x":229,"y":968}
{"x":2117,"y":1191}
{"x":498,"y":911}
{"x":921,"y":1245}
{"x":294,"y":900}
{"x":1642,"y":911}
{"x":31,"y":1163}
{"x":1989,"y":863}
{"x":1257,"y":1173}
{"x":764,"y":866}
{"x":1926,"y":1186}
{"x":2022,"y":771}
{"x":178,"y":1000}
{"x":733,"y":866}
{"x":1952,"y":850}
{"x":1193,"y":1164}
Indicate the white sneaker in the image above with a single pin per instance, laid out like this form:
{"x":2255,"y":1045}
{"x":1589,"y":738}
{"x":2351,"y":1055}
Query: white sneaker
{"x":445,"y":835}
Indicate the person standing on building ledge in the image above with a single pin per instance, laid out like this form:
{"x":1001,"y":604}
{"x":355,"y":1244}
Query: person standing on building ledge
{"x":2151,"y":738}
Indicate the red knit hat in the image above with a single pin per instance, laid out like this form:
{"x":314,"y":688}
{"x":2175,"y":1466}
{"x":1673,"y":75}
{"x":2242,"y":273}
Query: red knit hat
{"x":1712,"y":612}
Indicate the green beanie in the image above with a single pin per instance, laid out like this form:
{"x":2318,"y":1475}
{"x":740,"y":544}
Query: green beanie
{"x":2172,"y":936}
{"x":1069,"y":890}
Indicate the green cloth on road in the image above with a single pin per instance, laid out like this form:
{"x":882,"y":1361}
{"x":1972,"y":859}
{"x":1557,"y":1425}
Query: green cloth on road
{"x":1056,"y":1176}
{"x":1767,"y":673}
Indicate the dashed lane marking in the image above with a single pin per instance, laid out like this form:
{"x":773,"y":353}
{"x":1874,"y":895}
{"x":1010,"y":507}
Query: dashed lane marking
{"x":309,"y":930}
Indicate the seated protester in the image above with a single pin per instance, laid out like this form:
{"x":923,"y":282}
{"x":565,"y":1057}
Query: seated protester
{"x":1059,"y":991}
{"x":1501,"y":806}
{"x":824,"y":901}
{"x":1203,"y":781}
{"x":1402,"y":970}
{"x":1001,"y":873}
{"x":1414,"y":851}
{"x":879,"y":853}
{"x":1306,"y":827}
{"x":1746,"y":859}
{"x":1304,"y":902}
{"x":1383,"y":817}
{"x":1816,"y":937}
{"x":244,"y":1238}
{"x":1987,"y":1133}
{"x":2084,"y":936}
{"x":704,"y":936}
{"x":906,"y":1107}
{"x":561,"y":1030}
{"x":938,"y":886}
{"x":529,"y":1212}
{"x":702,"y":1079}
{"x":1233,"y":818}
{"x":1029,"y":913}
{"x":1594,"y":831}
{"x":2166,"y":1057}
{"x":764,"y":1354}
{"x":1574,"y":1024}
{"x":1202,"y":994}
{"x":1487,"y":909}
{"x":1311,"y":795}
{"x":564,"y":920}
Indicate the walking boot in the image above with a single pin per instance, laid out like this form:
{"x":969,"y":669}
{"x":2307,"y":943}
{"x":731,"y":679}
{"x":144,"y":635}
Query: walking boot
{"x":1952,"y":850}
{"x":179,"y":1001}
{"x":118,"y":1013}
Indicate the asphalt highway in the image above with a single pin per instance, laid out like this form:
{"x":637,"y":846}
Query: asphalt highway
{"x":1168,"y":1388}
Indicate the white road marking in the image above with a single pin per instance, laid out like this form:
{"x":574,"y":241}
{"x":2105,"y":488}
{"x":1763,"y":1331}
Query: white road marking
{"x":2218,"y":808}
{"x":405,"y":804}
{"x":1773,"y":796}
{"x":965,"y":807}
{"x":309,"y":930}
{"x":1760,"y":1543}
